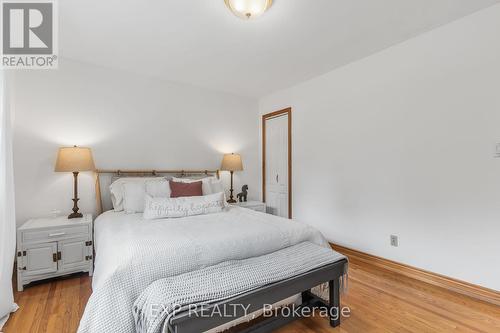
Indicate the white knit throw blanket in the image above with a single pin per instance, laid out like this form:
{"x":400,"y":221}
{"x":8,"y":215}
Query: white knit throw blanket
{"x":132,"y":253}
{"x":165,"y":297}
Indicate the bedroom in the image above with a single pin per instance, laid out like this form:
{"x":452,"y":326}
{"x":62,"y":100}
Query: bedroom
{"x":373,"y":125}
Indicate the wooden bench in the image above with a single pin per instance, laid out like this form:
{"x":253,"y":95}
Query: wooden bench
{"x":196,"y":320}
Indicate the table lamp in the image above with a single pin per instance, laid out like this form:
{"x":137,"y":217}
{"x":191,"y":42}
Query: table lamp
{"x":74,"y":159}
{"x":231,"y":163}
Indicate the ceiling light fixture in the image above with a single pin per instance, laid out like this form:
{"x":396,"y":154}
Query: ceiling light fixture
{"x":248,"y":9}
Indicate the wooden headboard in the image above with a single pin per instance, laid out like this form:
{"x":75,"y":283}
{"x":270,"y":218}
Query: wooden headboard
{"x":143,"y":173}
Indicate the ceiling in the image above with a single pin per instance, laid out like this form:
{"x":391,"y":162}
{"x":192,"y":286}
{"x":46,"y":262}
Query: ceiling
{"x":200,"y":42}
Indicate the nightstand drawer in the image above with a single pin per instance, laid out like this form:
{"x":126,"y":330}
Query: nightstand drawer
{"x":36,"y":235}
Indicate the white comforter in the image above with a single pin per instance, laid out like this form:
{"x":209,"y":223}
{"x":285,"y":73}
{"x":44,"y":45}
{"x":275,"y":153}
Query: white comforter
{"x":131,"y":253}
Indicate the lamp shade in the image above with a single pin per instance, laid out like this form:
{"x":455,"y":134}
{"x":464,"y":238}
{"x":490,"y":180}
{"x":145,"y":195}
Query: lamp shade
{"x":232,"y":162}
{"x":74,"y":159}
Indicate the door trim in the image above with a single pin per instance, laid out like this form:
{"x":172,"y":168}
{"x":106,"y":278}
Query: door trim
{"x":288,"y":112}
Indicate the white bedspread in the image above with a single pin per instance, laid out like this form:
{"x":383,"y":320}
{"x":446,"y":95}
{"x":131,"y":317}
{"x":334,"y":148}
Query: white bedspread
{"x":131,"y":253}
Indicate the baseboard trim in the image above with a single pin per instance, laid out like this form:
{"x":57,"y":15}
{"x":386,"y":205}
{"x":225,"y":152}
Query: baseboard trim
{"x":461,"y":287}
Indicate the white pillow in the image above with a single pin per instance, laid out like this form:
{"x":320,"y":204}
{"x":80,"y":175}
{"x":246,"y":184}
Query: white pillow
{"x":216,"y":185}
{"x":117,"y":190}
{"x":133,"y":197}
{"x":157,"y":208}
{"x":205,"y":183}
{"x":158,"y":188}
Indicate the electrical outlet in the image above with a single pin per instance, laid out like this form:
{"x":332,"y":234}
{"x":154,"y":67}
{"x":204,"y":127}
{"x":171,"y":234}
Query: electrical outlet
{"x":394,"y":241}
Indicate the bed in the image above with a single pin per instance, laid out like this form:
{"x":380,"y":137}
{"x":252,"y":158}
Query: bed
{"x":132,"y":253}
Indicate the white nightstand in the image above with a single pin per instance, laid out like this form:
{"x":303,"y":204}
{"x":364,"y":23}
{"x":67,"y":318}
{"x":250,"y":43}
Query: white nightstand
{"x":253,"y":205}
{"x":50,"y":247}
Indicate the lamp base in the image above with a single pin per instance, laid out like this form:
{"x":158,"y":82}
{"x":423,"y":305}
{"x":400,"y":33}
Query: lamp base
{"x":231,"y":198}
{"x":75,"y":215}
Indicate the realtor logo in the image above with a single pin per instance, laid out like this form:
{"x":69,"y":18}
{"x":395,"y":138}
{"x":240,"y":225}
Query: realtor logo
{"x":29,"y":37}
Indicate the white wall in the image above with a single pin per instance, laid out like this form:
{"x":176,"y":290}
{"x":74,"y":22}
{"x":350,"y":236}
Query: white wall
{"x":130,"y":122}
{"x":402,"y":143}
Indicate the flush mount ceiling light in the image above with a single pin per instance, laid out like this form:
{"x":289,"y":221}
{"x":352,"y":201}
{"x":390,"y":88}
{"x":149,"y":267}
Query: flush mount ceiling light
{"x":248,"y":9}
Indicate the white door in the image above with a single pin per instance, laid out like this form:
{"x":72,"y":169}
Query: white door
{"x":276,"y":165}
{"x":40,"y":258}
{"x":74,"y":254}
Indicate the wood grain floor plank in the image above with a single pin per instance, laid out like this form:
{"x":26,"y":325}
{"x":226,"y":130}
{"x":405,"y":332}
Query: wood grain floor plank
{"x":434,"y":302}
{"x":380,"y":301}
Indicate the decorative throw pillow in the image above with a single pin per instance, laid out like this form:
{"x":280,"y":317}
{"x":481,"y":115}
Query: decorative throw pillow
{"x":185,"y":189}
{"x":157,"y":208}
{"x":205,"y":186}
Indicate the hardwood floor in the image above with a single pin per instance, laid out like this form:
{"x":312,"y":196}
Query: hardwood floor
{"x":50,"y":307}
{"x":380,"y":301}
